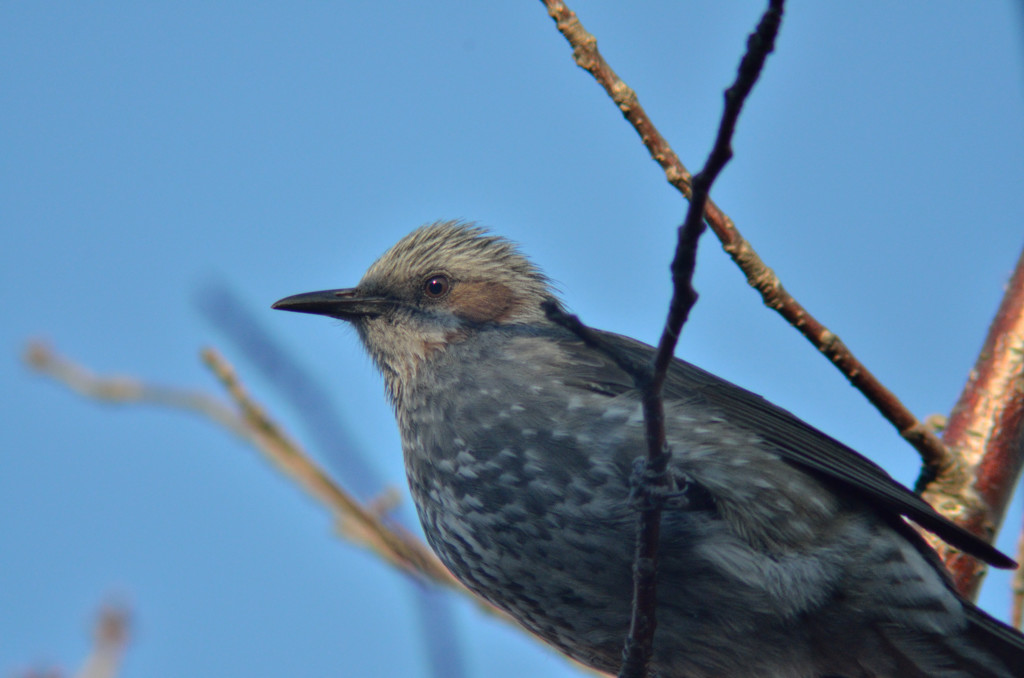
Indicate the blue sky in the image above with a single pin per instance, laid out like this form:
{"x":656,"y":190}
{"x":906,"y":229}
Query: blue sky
{"x":157,"y":153}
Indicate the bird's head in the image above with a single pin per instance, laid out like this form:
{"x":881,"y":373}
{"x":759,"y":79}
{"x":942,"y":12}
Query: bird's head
{"x":436,"y":286}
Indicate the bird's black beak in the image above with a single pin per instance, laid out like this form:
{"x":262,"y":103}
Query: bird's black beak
{"x":347,"y":304}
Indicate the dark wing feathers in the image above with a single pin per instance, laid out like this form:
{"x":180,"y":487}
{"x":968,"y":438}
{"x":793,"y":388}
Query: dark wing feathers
{"x":1001,"y":640}
{"x":795,"y":441}
{"x":808,"y":447}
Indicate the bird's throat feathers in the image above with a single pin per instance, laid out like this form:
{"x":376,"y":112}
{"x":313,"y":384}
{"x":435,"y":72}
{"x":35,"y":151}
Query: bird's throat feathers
{"x":399,"y":353}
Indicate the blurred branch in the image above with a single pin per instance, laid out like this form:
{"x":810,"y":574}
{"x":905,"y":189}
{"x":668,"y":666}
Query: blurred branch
{"x":317,"y":413}
{"x":361,"y":524}
{"x":986,"y":432}
{"x":120,"y":389}
{"x":313,"y":403}
{"x":248,"y":421}
{"x":110,"y":639}
{"x":357,"y":521}
{"x":759,"y":276}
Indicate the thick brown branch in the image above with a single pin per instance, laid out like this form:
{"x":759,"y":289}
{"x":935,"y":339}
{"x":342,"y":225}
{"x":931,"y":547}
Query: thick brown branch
{"x":986,"y":430}
{"x":759,"y":276}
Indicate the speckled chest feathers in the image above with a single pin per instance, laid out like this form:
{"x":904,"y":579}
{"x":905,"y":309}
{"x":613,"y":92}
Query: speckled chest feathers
{"x":784,"y":553}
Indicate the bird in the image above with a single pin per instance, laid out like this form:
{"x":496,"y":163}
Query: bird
{"x":783,"y":552}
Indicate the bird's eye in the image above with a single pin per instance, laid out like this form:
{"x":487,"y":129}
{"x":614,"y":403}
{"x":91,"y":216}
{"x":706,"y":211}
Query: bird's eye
{"x":437,"y":286}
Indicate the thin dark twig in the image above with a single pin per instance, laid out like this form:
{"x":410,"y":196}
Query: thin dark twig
{"x":759,"y":276}
{"x":650,"y":378}
{"x":640,"y":643}
{"x":759,"y":46}
{"x":639,"y":370}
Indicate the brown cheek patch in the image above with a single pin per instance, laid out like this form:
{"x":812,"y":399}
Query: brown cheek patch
{"x":483,"y":301}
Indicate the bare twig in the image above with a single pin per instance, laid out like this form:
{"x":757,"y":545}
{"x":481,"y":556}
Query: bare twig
{"x":116,"y":389}
{"x":759,"y":276}
{"x":640,"y":643}
{"x":650,"y":378}
{"x":248,"y":421}
{"x":986,"y":430}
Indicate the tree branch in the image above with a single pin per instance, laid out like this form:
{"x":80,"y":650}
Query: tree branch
{"x":650,"y":378}
{"x":986,"y":432}
{"x":759,"y":276}
{"x":248,"y":421}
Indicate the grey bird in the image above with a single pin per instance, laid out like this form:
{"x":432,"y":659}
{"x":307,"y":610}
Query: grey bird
{"x":783,"y":552}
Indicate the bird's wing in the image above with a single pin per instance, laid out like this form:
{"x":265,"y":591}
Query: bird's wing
{"x":999,"y":639}
{"x":794,"y":440}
